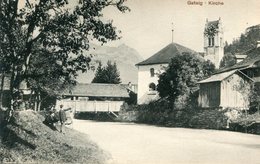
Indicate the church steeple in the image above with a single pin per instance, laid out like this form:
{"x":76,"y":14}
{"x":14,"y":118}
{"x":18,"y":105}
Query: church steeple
{"x":172,"y":32}
{"x":213,"y":41}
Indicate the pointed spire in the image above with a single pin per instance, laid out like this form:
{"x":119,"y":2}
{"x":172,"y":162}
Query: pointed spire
{"x":172,"y":32}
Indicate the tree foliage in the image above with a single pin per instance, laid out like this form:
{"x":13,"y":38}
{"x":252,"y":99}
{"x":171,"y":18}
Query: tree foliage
{"x":54,"y":31}
{"x":228,"y":60}
{"x":108,"y":74}
{"x":179,"y":81}
{"x":245,"y":42}
{"x":254,"y":97}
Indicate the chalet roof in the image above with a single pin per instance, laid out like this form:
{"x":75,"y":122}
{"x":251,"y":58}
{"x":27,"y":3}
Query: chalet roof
{"x":164,"y":55}
{"x":253,"y":56}
{"x":99,"y":90}
{"x":251,"y":61}
{"x":218,"y":77}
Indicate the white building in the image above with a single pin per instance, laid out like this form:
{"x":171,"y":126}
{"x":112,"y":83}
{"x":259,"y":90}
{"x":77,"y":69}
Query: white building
{"x":149,"y":70}
{"x":214,"y":45}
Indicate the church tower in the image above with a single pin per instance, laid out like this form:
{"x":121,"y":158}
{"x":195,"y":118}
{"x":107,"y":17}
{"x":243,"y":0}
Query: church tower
{"x":213,"y":41}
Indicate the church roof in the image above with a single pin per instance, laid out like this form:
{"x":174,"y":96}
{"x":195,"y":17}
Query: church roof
{"x":165,"y":54}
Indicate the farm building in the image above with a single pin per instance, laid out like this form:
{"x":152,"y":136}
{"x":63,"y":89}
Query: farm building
{"x":95,"y":97}
{"x":225,"y":89}
{"x":230,"y":87}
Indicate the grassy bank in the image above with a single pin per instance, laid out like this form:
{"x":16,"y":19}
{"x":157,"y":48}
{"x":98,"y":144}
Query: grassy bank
{"x":26,"y":139}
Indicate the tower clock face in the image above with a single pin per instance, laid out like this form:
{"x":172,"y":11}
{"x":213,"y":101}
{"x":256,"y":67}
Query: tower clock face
{"x":211,"y":30}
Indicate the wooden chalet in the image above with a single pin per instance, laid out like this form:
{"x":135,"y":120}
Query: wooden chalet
{"x":95,"y":97}
{"x":229,"y":87}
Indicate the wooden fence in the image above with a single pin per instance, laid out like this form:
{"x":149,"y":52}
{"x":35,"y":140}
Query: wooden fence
{"x":90,"y":106}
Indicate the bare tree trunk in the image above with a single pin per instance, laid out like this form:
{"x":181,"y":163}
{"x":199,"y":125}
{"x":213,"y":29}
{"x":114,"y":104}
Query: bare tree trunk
{"x":39,"y":102}
{"x":2,"y":89}
{"x":35,"y":101}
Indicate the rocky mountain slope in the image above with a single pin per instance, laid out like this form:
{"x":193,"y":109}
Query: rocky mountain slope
{"x":124,"y":56}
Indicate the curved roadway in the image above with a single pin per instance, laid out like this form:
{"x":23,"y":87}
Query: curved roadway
{"x":131,"y":143}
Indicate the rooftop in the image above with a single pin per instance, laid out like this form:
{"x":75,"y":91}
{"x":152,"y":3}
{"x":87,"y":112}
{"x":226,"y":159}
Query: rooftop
{"x":164,"y":55}
{"x":218,"y":77}
{"x":252,"y":57}
{"x":98,"y":90}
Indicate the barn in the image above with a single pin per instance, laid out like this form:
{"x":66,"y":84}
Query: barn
{"x":95,"y":97}
{"x":230,"y":87}
{"x":223,"y":90}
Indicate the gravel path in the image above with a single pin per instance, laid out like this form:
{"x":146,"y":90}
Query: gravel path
{"x":131,"y":143}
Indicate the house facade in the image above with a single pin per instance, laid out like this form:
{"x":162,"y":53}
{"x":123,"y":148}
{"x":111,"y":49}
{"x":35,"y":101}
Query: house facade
{"x":230,"y":87}
{"x":150,"y":69}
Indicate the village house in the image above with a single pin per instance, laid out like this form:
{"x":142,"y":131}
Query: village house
{"x":95,"y":97}
{"x":229,"y":87}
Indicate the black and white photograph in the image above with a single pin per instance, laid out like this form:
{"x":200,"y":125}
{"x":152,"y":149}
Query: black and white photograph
{"x":130,"y":81}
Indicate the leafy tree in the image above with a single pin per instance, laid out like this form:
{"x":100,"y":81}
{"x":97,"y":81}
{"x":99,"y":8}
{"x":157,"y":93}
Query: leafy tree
{"x":99,"y":73}
{"x":254,"y":97}
{"x":108,"y":74}
{"x":245,"y":42}
{"x":48,"y":80}
{"x":54,"y":28}
{"x":179,"y":81}
{"x":228,"y":60}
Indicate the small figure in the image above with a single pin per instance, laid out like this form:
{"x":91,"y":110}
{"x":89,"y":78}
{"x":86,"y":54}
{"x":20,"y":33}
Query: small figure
{"x":62,"y":117}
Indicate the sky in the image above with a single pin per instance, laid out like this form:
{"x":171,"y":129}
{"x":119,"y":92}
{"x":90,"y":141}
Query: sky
{"x":147,"y":27}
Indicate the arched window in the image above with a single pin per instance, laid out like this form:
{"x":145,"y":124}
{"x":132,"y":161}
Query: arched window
{"x":152,"y":87}
{"x":211,"y":41}
{"x":152,"y":72}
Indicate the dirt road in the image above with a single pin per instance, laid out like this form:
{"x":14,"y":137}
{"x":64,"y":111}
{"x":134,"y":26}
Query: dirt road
{"x":142,"y":144}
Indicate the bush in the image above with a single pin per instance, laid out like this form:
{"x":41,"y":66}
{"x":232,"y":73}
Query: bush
{"x":161,"y":113}
{"x":154,"y":113}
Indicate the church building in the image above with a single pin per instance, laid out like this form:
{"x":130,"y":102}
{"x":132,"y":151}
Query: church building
{"x":214,"y":42}
{"x":150,"y":69}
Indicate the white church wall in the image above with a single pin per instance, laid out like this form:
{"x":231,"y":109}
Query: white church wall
{"x":145,"y":79}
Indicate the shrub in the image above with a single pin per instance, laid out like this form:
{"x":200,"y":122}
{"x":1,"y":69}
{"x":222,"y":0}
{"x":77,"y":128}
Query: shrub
{"x":156,"y":112}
